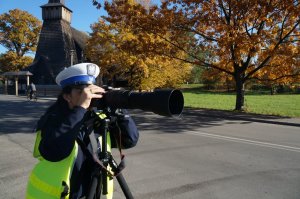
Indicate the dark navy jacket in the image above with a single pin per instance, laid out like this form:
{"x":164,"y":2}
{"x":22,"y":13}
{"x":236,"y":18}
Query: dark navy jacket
{"x":61,"y":127}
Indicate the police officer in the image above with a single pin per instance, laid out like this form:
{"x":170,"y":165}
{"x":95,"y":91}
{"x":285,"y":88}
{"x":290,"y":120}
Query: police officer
{"x":65,"y":166}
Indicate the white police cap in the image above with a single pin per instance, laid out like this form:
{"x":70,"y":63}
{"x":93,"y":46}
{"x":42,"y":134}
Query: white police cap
{"x":83,"y":73}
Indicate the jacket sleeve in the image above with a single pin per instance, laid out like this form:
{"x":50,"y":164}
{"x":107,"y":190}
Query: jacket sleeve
{"x":124,"y":131}
{"x":59,"y":133}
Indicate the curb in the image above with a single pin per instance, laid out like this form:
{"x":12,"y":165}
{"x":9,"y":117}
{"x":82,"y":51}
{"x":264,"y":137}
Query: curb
{"x":251,"y":117}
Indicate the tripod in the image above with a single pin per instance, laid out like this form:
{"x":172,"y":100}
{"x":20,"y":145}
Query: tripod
{"x":107,"y":167}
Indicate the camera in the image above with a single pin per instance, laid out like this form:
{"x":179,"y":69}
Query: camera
{"x":165,"y":102}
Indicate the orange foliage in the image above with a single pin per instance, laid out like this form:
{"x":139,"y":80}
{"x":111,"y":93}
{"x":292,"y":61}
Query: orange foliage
{"x":19,"y":32}
{"x":10,"y":61}
{"x":244,"y":39}
{"x":120,"y":50}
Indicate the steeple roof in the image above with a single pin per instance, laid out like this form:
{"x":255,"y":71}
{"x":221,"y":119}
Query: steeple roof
{"x":56,"y":3}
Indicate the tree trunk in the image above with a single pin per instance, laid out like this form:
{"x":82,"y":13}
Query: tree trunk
{"x":240,"y":94}
{"x":272,"y":90}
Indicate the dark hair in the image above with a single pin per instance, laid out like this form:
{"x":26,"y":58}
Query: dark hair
{"x":60,"y":104}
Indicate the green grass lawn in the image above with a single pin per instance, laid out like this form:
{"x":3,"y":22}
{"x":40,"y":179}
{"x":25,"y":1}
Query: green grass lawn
{"x":279,"y":104}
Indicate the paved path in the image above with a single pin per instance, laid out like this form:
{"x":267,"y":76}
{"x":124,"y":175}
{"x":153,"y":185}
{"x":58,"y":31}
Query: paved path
{"x":204,"y":154}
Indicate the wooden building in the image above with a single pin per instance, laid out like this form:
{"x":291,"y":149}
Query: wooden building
{"x":59,"y":44}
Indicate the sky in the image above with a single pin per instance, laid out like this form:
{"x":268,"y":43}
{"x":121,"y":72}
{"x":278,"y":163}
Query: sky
{"x":84,"y":13}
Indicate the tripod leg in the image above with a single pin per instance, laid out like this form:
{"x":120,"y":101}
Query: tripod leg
{"x":107,"y":184}
{"x":104,"y":182}
{"x":124,"y":186}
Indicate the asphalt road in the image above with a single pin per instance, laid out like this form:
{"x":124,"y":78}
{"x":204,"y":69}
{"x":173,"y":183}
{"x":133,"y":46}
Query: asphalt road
{"x":203,"y":154}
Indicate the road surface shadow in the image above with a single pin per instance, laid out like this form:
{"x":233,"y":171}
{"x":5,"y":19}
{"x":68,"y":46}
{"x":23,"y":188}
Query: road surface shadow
{"x":20,"y":116}
{"x":192,"y":119}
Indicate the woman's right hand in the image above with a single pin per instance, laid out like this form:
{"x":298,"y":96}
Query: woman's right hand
{"x":83,"y":97}
{"x":88,"y":93}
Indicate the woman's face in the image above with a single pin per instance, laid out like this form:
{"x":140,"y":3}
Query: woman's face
{"x":73,"y":97}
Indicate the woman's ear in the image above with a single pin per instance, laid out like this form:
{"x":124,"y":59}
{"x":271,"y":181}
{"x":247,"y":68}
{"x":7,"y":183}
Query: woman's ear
{"x":67,"y":97}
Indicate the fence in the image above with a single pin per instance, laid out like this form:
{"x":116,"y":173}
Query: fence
{"x":48,"y":90}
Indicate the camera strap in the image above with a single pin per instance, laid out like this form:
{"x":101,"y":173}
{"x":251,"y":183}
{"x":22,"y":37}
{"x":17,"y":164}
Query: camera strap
{"x":122,"y":164}
{"x":117,"y":168}
{"x":89,"y":126}
{"x":94,"y":145}
{"x":94,"y":154}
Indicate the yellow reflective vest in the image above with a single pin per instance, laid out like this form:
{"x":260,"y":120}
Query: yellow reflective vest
{"x":51,"y":180}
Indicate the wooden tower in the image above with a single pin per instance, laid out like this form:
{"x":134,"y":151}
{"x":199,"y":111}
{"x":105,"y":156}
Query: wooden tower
{"x":56,"y":47}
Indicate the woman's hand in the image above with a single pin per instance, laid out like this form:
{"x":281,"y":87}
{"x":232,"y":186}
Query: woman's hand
{"x":88,"y":93}
{"x":83,"y":97}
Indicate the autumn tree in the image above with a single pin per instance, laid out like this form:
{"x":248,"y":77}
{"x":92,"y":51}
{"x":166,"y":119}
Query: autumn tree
{"x":241,"y":38}
{"x":105,"y":49}
{"x":9,"y":61}
{"x":214,"y":79}
{"x":281,"y":70}
{"x":145,"y":3}
{"x":19,"y":31}
{"x":123,"y":51}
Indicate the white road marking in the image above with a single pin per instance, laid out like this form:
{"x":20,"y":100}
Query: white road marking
{"x":246,"y":141}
